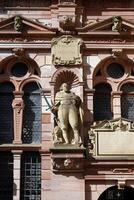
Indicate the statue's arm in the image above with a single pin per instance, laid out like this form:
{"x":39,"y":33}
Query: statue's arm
{"x":56,"y":103}
{"x":79,"y":105}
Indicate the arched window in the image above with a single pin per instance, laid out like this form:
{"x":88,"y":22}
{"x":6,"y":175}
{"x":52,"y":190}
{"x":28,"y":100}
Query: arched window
{"x":127,"y":101}
{"x":32,"y":114}
{"x":102,"y":102}
{"x":6,"y":112}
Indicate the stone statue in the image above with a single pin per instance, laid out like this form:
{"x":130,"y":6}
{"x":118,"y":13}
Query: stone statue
{"x":117,"y":24}
{"x":69,"y":112}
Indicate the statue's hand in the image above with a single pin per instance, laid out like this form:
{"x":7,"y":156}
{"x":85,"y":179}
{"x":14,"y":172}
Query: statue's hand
{"x":54,"y":109}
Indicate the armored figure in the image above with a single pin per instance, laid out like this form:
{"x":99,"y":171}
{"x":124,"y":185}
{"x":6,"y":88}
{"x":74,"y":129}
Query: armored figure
{"x":68,"y":109}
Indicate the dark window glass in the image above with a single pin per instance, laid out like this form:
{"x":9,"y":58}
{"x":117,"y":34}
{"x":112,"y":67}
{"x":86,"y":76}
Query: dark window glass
{"x":115,"y":70}
{"x":1,"y":71}
{"x":6,"y":176}
{"x":32,"y":114}
{"x":19,"y":69}
{"x":31,"y":176}
{"x":102,"y":102}
{"x":6,"y":112}
{"x":127,"y":101}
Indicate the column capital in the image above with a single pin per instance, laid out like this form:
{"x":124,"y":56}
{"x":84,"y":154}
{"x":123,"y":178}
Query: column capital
{"x":17,"y":152}
{"x":116,"y":93}
{"x":89,"y":91}
{"x":18,"y":94}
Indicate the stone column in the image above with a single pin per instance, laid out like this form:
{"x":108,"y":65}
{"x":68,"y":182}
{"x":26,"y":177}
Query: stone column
{"x":46,"y":175}
{"x":116,"y":104}
{"x":16,"y":173}
{"x":18,"y":107}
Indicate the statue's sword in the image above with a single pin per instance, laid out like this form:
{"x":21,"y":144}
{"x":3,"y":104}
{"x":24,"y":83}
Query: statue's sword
{"x":50,"y":106}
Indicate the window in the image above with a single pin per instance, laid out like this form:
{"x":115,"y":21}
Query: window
{"x":127,"y":101}
{"x":32,"y":114}
{"x":31,"y":176}
{"x":6,"y":176}
{"x":102,"y":102}
{"x":6,"y":112}
{"x":19,"y":69}
{"x":115,"y":70}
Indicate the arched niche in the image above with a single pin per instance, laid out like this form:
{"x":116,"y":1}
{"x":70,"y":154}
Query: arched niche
{"x":70,"y":76}
{"x":65,"y":76}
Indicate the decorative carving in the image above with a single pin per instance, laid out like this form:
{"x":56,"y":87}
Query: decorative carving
{"x":122,"y":170}
{"x":66,"y":50}
{"x":91,"y":144}
{"x":110,"y":138}
{"x":18,"y":52}
{"x":117,"y":24}
{"x":108,"y":41}
{"x":18,"y":25}
{"x":121,"y":184}
{"x":119,"y":125}
{"x":68,"y":116}
{"x":67,"y":164}
{"x":67,"y":23}
{"x":65,"y":75}
{"x":117,"y":52}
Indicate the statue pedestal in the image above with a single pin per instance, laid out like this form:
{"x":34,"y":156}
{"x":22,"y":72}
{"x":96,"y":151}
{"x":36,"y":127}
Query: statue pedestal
{"x":68,"y":158}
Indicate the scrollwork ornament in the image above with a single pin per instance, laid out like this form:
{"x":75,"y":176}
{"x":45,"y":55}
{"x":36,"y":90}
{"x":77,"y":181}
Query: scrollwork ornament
{"x":66,"y":51}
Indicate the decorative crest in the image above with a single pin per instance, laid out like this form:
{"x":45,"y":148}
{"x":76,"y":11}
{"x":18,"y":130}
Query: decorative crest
{"x":66,"y":50}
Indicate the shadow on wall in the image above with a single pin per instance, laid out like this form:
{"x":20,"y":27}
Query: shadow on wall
{"x":14,"y":189}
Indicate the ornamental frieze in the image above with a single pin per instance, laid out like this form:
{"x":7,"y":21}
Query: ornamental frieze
{"x":66,"y":51}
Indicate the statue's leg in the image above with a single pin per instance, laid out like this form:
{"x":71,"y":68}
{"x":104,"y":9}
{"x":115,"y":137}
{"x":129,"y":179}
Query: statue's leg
{"x":74,"y":122}
{"x":63,"y":118}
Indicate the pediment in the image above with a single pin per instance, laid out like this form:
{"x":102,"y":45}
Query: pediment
{"x":119,"y":124}
{"x":108,"y":25}
{"x":19,"y":24}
